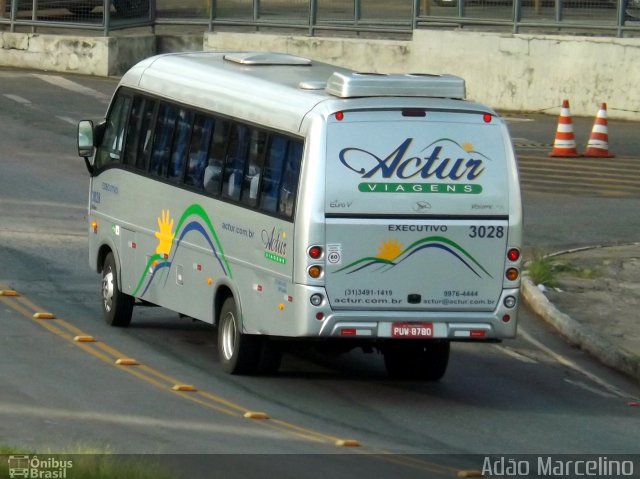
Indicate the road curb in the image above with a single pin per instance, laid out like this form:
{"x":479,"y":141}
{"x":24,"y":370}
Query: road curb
{"x":578,"y":334}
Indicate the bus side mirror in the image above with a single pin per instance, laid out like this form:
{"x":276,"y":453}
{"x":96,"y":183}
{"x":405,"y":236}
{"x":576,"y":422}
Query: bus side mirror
{"x":86,"y":143}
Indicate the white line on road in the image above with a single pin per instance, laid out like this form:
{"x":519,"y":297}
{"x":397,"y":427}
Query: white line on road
{"x":591,"y":389}
{"x":39,"y":204}
{"x":517,"y":120}
{"x":17,"y":98}
{"x":68,"y":120}
{"x":72,"y":86}
{"x":516,"y":355}
{"x":570,"y":364}
{"x":39,"y":236}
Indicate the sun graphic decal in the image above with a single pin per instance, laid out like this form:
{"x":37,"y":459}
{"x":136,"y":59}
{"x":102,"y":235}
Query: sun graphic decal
{"x":166,"y":234}
{"x":389,"y":250}
{"x":392,"y":254}
{"x":468,"y":147}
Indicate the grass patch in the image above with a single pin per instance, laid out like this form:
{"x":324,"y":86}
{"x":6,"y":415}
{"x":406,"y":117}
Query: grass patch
{"x":544,"y":269}
{"x":541,"y":270}
{"x":89,"y":464}
{"x":569,"y":269}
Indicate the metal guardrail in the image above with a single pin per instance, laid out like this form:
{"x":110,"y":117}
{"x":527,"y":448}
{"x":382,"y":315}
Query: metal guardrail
{"x":618,"y":18}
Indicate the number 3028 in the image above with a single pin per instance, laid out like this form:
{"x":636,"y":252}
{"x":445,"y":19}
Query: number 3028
{"x":486,"y":231}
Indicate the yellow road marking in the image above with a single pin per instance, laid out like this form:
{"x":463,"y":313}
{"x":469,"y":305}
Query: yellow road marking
{"x":109,"y":355}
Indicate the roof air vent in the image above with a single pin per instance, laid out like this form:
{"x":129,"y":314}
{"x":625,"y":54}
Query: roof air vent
{"x":312,"y":85}
{"x":260,"y":58}
{"x":352,"y":84}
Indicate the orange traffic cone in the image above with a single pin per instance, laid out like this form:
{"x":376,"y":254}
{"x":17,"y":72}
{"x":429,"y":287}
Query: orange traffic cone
{"x":598,"y":146}
{"x":565,"y":142}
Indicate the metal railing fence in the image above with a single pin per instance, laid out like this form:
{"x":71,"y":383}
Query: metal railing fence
{"x":618,"y":18}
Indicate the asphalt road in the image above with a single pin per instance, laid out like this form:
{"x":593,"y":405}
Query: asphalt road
{"x":531,"y":395}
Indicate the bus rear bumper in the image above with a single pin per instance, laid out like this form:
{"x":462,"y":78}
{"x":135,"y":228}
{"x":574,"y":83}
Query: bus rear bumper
{"x":500,"y":323}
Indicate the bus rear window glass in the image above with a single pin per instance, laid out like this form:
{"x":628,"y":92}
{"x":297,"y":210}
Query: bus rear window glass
{"x":162,"y":140}
{"x":213,"y":171}
{"x":254,"y":168}
{"x":110,"y":149}
{"x":235,"y":161}
{"x":180,"y":145}
{"x":198,"y":151}
{"x":290,"y":177}
{"x":272,"y":174}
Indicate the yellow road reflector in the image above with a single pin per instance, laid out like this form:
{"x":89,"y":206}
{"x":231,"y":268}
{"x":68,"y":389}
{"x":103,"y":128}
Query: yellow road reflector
{"x":256,"y":415}
{"x":8,"y":292}
{"x":470,"y":474}
{"x":84,"y":339}
{"x":184,"y":387}
{"x":44,"y":316}
{"x":347,"y":443}
{"x":127,"y":362}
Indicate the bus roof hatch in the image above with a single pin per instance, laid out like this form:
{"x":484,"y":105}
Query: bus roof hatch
{"x":258,"y":58}
{"x":354,"y":84}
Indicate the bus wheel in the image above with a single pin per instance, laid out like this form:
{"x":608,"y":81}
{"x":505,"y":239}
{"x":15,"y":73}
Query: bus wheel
{"x":116,"y":305}
{"x":239,"y":353}
{"x":407,"y":360}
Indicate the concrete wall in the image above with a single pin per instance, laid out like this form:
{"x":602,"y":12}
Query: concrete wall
{"x":506,"y":71}
{"x":100,"y":56}
{"x":534,"y":72}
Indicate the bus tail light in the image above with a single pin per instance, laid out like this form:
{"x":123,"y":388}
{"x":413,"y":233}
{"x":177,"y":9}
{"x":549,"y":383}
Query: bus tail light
{"x":513,"y":254}
{"x":315,"y":252}
{"x":512,"y":274}
{"x":315,"y":271}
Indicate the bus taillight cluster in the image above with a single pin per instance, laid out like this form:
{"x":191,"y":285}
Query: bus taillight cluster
{"x":512,"y":273}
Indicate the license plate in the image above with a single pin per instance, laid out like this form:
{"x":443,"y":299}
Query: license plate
{"x":412,"y":330}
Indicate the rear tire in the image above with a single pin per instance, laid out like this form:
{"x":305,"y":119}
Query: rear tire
{"x":117,"y":307}
{"x":417,"y":360}
{"x":239,"y":353}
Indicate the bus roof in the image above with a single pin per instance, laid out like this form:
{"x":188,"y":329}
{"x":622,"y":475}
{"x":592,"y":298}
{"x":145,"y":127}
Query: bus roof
{"x":273,"y":89}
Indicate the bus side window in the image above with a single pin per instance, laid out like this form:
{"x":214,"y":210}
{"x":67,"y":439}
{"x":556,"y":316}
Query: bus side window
{"x":110,"y":149}
{"x":235,"y":161}
{"x":133,"y":131}
{"x":253,"y":171}
{"x":289,"y":185}
{"x":180,"y":145}
{"x":146,"y":132}
{"x":200,"y":140}
{"x":272,"y":174}
{"x":213,"y":172}
{"x":162,"y":140}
